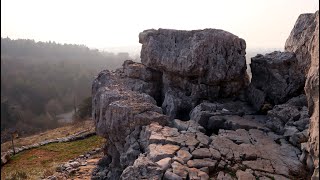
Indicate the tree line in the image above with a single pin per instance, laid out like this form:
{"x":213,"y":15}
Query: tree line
{"x":40,"y":80}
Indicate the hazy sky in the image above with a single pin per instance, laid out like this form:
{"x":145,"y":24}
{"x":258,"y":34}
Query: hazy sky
{"x":117,"y":23}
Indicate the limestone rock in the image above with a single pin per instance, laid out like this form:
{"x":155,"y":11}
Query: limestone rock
{"x":260,"y":164}
{"x":291,"y":115}
{"x":195,"y":173}
{"x":118,"y":112}
{"x":215,"y":154}
{"x":312,"y":90}
{"x":224,"y":176}
{"x":194,"y":53}
{"x":157,"y":152}
{"x":196,"y":65}
{"x":187,"y":125}
{"x":200,"y":163}
{"x":171,"y":176}
{"x":180,"y":169}
{"x":184,"y":155}
{"x":201,"y":153}
{"x":142,"y":168}
{"x":225,"y":114}
{"x":300,"y":40}
{"x":276,"y":75}
{"x":164,"y":163}
{"x":255,"y":145}
{"x":242,"y":175}
{"x":138,"y":77}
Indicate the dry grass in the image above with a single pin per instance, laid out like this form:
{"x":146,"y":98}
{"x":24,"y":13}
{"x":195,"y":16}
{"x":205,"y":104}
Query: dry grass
{"x":42,"y":161}
{"x":50,"y":134}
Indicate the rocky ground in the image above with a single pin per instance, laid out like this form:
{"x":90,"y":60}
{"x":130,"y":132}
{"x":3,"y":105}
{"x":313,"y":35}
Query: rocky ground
{"x":78,"y":168}
{"x":188,"y":110}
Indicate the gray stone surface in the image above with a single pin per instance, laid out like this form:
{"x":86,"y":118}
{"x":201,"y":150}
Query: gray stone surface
{"x":275,"y":77}
{"x":142,"y":168}
{"x":312,"y":84}
{"x":196,"y":65}
{"x":300,"y":40}
{"x":191,"y":75}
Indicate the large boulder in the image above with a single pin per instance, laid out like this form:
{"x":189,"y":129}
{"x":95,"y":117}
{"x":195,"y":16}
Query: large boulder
{"x":196,"y":65}
{"x":275,"y":78}
{"x":300,"y":40}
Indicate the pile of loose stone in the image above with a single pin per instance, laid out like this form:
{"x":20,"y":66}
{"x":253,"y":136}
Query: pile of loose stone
{"x":71,"y":168}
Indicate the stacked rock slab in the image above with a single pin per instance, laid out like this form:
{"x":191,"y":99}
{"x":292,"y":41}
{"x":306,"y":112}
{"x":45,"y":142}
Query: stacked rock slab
{"x":275,"y":78}
{"x":181,"y":154}
{"x":119,"y":113}
{"x":196,"y":65}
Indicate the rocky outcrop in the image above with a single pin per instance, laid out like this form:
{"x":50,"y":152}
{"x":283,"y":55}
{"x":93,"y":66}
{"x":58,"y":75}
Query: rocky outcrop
{"x":304,"y":42}
{"x":226,"y":115}
{"x":119,"y":113}
{"x":312,"y":92}
{"x":301,"y":39}
{"x":196,"y":65}
{"x":203,"y":126}
{"x":275,"y":78}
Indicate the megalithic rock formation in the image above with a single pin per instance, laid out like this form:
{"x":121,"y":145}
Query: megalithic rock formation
{"x":144,"y":109}
{"x":196,"y":65}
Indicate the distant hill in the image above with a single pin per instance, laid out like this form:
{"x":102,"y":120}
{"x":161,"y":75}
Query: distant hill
{"x":40,"y":80}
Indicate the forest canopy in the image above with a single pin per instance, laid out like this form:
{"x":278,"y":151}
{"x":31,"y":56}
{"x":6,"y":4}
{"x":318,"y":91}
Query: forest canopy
{"x":40,"y":80}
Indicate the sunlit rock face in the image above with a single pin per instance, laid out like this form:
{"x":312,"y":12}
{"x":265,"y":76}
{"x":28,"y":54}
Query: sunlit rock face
{"x":312,"y":92}
{"x":196,"y":65}
{"x":300,"y":40}
{"x":118,"y":113}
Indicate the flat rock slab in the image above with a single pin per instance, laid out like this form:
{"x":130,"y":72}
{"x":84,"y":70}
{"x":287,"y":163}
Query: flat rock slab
{"x":258,"y":151}
{"x":200,"y":163}
{"x":201,"y":153}
{"x":157,"y":152}
{"x":184,"y":155}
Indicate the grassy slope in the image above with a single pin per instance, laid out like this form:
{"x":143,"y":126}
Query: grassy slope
{"x":43,"y":160}
{"x":50,"y":134}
